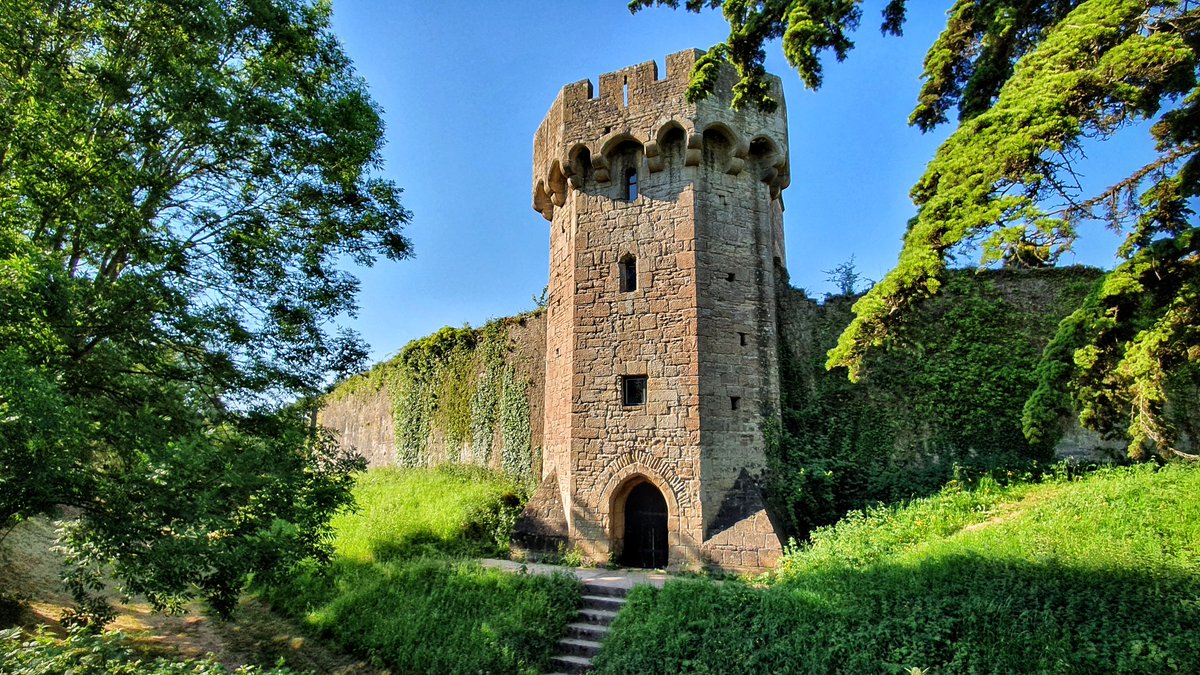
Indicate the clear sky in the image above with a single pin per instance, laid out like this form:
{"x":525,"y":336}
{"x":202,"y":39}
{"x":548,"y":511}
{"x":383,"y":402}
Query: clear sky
{"x":463,"y":86}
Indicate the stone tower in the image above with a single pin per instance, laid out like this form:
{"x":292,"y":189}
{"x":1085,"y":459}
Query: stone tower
{"x":666,"y":245}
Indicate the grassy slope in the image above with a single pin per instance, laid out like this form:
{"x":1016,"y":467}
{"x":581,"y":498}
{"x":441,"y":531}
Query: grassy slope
{"x":400,"y":593}
{"x":1094,"y":575}
{"x":406,"y":513}
{"x":30,"y":570}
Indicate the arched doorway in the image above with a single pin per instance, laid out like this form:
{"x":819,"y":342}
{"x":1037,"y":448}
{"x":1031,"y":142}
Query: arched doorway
{"x":645,"y":542}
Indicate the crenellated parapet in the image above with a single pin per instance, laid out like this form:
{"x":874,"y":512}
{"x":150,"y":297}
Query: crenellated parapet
{"x":583,"y":130}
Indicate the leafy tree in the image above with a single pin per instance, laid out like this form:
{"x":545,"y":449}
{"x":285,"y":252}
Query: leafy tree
{"x":845,"y":277}
{"x":178,"y":183}
{"x":1032,"y":81}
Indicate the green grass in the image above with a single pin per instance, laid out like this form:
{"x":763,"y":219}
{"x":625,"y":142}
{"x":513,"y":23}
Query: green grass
{"x":1099,"y":574}
{"x":454,"y":510}
{"x":83,"y":652}
{"x":402,"y":593}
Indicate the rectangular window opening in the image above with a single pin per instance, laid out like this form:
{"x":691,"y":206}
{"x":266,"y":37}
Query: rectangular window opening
{"x":628,"y":274}
{"x":734,"y":401}
{"x":633,"y":390}
{"x":742,"y":338}
{"x":731,"y":277}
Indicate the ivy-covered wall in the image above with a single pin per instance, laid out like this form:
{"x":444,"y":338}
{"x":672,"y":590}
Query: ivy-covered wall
{"x":459,"y":395}
{"x":949,"y":392}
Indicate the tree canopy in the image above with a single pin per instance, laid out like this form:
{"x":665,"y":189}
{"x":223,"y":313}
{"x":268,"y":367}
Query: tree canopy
{"x":179,"y":183}
{"x":1033,"y":82}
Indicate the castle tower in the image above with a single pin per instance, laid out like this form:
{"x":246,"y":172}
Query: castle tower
{"x":666,"y":245}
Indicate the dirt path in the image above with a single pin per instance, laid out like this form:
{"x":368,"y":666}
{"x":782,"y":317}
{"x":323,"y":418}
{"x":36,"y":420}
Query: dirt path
{"x":616,"y":578}
{"x":30,"y":571}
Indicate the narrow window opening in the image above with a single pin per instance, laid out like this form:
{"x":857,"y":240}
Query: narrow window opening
{"x":631,"y":184}
{"x":628,"y":273}
{"x":731,"y":277}
{"x":625,"y":92}
{"x":607,"y":129}
{"x":633,"y":390}
{"x":734,"y":401}
{"x":742,"y":338}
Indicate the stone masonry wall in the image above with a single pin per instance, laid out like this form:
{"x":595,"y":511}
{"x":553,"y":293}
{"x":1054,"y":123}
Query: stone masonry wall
{"x":362,"y":419}
{"x":706,"y":207}
{"x":361,"y":411}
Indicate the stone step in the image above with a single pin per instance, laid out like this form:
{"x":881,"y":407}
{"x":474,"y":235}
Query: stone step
{"x":603,"y":617}
{"x":571,"y":664}
{"x":609,"y":602}
{"x":587,"y":631}
{"x":604,"y":589}
{"x":577,"y":647}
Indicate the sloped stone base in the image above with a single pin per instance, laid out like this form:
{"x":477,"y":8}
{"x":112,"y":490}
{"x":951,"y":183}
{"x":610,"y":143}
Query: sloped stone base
{"x":542,"y":526}
{"x":742,"y":537}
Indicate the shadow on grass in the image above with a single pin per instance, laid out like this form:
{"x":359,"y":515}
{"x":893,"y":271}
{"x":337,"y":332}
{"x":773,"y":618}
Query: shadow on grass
{"x":433,"y":615}
{"x":426,"y":543}
{"x":957,"y":614}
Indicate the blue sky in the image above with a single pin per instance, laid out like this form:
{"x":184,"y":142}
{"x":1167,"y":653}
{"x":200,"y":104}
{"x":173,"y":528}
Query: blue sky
{"x":463,"y":86}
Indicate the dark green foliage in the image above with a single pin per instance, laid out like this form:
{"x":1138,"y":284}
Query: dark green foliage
{"x":214,"y":503}
{"x":400,"y":594}
{"x":179,"y":182}
{"x":1034,"y":81}
{"x":435,"y":615}
{"x":807,"y":27}
{"x":1090,"y":70}
{"x":84,"y":652}
{"x":974,"y":56}
{"x":1088,"y":576}
{"x":1106,"y":369}
{"x":946,"y":396}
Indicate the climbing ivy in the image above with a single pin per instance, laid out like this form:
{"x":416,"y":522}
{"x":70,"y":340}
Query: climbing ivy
{"x":948,"y":392}
{"x":455,"y":388}
{"x":515,"y":429}
{"x":411,"y":407}
{"x":493,"y":344}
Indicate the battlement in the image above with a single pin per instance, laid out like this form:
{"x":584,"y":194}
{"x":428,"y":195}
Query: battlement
{"x":627,"y":84}
{"x":582,"y":129}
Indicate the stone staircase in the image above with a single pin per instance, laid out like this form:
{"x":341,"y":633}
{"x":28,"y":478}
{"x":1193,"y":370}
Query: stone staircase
{"x":600,"y":606}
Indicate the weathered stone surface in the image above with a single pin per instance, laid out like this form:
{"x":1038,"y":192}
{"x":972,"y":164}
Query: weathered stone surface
{"x":363,"y":421}
{"x":362,"y":417}
{"x":705,"y":229}
{"x":543,"y":523}
{"x":742,"y":535}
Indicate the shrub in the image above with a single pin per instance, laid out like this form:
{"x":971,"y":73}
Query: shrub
{"x":1098,"y":574}
{"x":83,"y":652}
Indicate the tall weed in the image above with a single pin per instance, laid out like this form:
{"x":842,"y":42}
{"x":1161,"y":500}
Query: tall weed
{"x":402,"y":593}
{"x":1099,"y":574}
